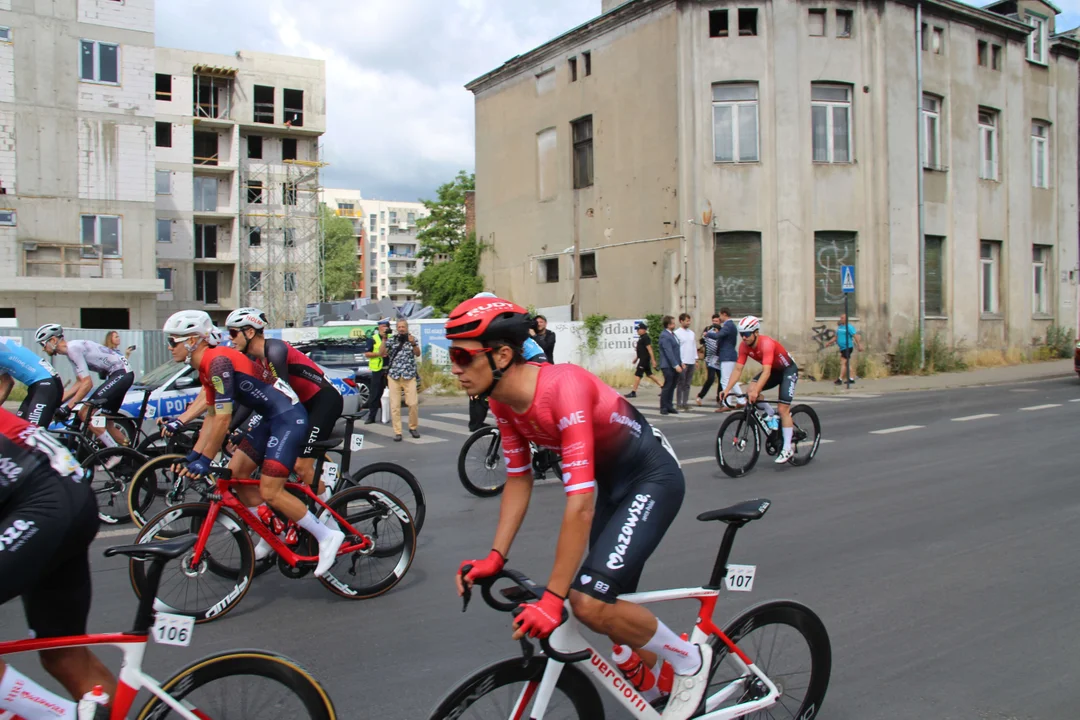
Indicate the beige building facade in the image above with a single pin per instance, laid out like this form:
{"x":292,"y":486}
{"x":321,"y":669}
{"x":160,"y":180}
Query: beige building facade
{"x":673,"y":155}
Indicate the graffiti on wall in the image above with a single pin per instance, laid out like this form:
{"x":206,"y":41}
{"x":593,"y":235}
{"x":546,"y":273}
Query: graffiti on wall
{"x":822,"y":334}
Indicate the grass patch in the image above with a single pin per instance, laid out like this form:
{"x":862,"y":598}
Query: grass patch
{"x":870,"y":367}
{"x":625,"y":377}
{"x":940,"y":356}
{"x":438,"y":380}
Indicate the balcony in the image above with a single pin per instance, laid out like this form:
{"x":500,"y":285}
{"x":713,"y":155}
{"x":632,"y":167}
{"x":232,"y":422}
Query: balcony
{"x":212,"y":95}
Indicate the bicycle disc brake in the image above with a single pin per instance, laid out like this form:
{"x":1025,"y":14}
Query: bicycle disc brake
{"x":306,"y":546}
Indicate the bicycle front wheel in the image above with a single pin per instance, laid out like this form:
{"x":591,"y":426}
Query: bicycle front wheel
{"x":806,"y":434}
{"x":788,"y":642}
{"x":508,"y":689}
{"x":480,"y":466}
{"x":110,"y":473}
{"x":244,"y":684}
{"x":155,"y":487}
{"x":397,"y":481}
{"x":738,"y":445}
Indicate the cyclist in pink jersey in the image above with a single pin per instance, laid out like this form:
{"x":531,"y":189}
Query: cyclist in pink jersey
{"x":778,"y":370}
{"x":623,"y":485}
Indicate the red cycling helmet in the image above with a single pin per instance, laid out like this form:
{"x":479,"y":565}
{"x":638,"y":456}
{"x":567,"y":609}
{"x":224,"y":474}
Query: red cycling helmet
{"x":488,"y":318}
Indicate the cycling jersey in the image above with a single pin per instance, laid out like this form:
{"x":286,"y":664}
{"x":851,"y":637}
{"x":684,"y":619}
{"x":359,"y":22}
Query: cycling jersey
{"x":23,"y":365}
{"x":229,"y":376}
{"x":41,"y":401}
{"x":87,"y":355}
{"x":766,"y":351}
{"x":294,"y":367}
{"x":25,"y":449}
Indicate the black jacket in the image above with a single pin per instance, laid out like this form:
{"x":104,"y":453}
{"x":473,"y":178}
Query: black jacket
{"x":546,"y":341}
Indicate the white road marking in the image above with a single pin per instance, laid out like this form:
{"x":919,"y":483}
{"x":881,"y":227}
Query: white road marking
{"x":1040,"y":407}
{"x":975,"y":417}
{"x":823,"y":441}
{"x":453,"y":416}
{"x":1076,"y":400}
{"x":694,"y":461}
{"x":860,"y":395}
{"x":902,"y":428}
{"x":823,"y":398}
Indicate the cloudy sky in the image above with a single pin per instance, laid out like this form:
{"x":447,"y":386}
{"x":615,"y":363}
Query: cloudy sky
{"x":400,"y":121}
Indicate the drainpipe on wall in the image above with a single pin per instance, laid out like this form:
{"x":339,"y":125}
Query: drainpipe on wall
{"x":919,"y":170}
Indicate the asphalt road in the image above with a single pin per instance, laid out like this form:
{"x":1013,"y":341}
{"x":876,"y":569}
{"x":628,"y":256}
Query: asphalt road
{"x":941,"y":557}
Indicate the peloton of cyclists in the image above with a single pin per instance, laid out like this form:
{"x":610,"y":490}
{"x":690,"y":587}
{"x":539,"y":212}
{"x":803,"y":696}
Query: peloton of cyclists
{"x":44,"y":390}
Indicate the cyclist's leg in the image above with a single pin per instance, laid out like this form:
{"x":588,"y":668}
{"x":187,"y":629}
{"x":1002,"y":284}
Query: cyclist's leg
{"x":323,"y":410}
{"x":42,"y":399}
{"x":115,"y":388}
{"x":248,"y":456}
{"x":787,"y":382}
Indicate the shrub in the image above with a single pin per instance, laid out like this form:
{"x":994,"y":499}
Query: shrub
{"x":1061,"y":341}
{"x":940,"y":356}
{"x":438,"y":379}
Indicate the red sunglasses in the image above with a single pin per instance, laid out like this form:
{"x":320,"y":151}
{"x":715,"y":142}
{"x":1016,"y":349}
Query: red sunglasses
{"x":463,"y":357}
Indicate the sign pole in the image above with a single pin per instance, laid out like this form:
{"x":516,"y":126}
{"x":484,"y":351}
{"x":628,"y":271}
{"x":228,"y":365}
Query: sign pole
{"x":850,"y":341}
{"x":847,"y":285}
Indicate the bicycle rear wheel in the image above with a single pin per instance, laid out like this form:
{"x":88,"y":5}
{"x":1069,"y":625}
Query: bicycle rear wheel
{"x":738,"y":444}
{"x":480,"y":466}
{"x":110,"y":472}
{"x":244,"y":684}
{"x":788,"y":642}
{"x":506,"y":689}
{"x":806,"y":435}
{"x":397,"y":481}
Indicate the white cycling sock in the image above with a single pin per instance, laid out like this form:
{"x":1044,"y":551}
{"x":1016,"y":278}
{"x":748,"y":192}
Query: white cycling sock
{"x":767,"y":407}
{"x":685,"y":659}
{"x":30,"y":701}
{"x":787,"y":436}
{"x":313,"y":526}
{"x":107,"y":439}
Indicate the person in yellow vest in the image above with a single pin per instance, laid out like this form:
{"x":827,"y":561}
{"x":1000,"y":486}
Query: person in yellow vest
{"x":378,"y":371}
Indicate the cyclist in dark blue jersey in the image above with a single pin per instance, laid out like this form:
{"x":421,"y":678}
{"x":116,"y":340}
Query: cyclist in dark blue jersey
{"x":44,"y":390}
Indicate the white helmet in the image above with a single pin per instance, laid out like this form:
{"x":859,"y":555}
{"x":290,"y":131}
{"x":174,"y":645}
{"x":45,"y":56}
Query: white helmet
{"x":188,"y":323}
{"x":214,"y":339}
{"x":48,"y":332}
{"x":247,"y":317}
{"x":484,"y":295}
{"x":749,"y":324}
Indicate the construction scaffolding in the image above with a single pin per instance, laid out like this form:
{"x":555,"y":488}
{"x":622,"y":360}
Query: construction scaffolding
{"x":281,"y":238}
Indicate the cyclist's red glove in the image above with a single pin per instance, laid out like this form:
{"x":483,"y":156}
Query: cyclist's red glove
{"x":491,"y":565}
{"x":539,"y":619}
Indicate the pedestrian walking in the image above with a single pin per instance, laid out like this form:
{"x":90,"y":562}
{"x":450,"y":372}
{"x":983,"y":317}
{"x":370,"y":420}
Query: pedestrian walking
{"x":644,"y":359}
{"x":376,"y":358}
{"x":544,"y":338}
{"x":710,"y":339}
{"x":727,"y":354}
{"x":847,"y":339}
{"x":688,"y":355}
{"x":670,"y":365}
{"x":404,"y":349}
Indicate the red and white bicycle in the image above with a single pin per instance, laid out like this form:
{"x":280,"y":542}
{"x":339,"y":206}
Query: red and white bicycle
{"x":750,"y":676}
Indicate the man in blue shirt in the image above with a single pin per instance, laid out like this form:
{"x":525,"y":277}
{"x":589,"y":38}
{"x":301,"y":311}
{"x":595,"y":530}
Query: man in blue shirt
{"x":727,"y":352}
{"x":847,"y":338}
{"x":44,"y":391}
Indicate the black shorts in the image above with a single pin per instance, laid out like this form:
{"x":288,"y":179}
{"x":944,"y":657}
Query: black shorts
{"x":845,"y":353}
{"x":643,"y":369}
{"x":110,"y":394}
{"x":42,"y":399}
{"x":276,"y":442}
{"x":627,"y":529}
{"x":323,"y":410}
{"x":785,"y":380}
{"x":47,"y":530}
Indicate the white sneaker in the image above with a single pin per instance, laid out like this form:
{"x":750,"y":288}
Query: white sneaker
{"x":687,"y":691}
{"x":328,"y":548}
{"x":263,"y":550}
{"x":785,"y":456}
{"x":113,"y":461}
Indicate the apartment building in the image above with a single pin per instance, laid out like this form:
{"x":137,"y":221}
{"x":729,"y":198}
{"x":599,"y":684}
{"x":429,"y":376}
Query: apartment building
{"x":237,"y":182}
{"x":672,"y":155}
{"x":391,"y":251}
{"x":77,"y":163}
{"x":349,"y":204}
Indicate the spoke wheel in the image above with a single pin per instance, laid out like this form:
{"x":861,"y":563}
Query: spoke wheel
{"x":480,"y":465}
{"x":806,"y":435}
{"x":110,"y":472}
{"x":397,"y":481}
{"x":738,"y":445}
{"x":155,"y":487}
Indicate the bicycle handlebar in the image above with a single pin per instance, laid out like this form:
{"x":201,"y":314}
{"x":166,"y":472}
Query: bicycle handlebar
{"x":528,"y":588}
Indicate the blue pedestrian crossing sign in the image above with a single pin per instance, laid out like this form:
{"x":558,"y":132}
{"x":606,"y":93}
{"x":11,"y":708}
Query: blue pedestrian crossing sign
{"x":847,"y":278}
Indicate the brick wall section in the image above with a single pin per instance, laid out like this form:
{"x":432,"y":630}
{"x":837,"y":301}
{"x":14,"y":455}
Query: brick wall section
{"x":7,"y":154}
{"x":115,"y":161}
{"x":470,"y":211}
{"x":127,"y":15}
{"x":135,"y":93}
{"x":7,"y":72}
{"x":9,"y":258}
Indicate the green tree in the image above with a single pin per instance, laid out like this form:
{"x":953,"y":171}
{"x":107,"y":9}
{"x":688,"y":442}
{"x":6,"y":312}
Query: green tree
{"x":443,"y":285}
{"x":339,"y":256}
{"x":443,"y":230}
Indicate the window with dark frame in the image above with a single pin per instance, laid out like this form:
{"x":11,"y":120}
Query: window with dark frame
{"x":254,"y":237}
{"x":934,"y":275}
{"x":588,"y":265}
{"x":288,"y":148}
{"x":995,"y":57}
{"x":99,"y":62}
{"x":832,"y":249}
{"x":205,"y":148}
{"x":845,"y":22}
{"x":164,"y":274}
{"x":549,"y":270}
{"x":206,"y":286}
{"x":587,"y":57}
{"x":205,"y":241}
{"x":747,"y":21}
{"x":572,"y":64}
{"x":263,"y":104}
{"x":163,"y":86}
{"x":583,"y":152}
{"x":288,"y":193}
{"x":164,"y":230}
{"x":254,"y":281}
{"x":718,"y":23}
{"x":816,"y":19}
{"x":163,"y":134}
{"x":737,"y":272}
{"x":983,"y":53}
{"x":255,"y":147}
{"x":293,"y":102}
{"x":255,"y":192}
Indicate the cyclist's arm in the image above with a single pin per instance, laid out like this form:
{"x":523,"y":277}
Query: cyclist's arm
{"x":766,"y":371}
{"x":6,"y":384}
{"x":573,"y":541}
{"x":736,"y":372}
{"x":194,"y":409}
{"x":78,"y":390}
{"x":219,"y":397}
{"x":519,"y":482}
{"x":277,"y":359}
{"x":768,"y":355}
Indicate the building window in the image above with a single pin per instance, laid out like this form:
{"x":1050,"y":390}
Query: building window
{"x":162,"y":182}
{"x":164,"y":230}
{"x":937,"y":42}
{"x":1040,"y":263}
{"x":924,"y":35}
{"x":583,"y":152}
{"x":988,"y":153}
{"x":254,"y":237}
{"x":206,"y":194}
{"x":1040,"y":157}
{"x":293,"y":101}
{"x":7,"y":218}
{"x":817,"y":22}
{"x":737,"y":272}
{"x":102,"y":231}
{"x":831,"y":250}
{"x":5,"y":34}
{"x":290,"y":238}
{"x":255,"y":281}
{"x":100,"y":62}
{"x":718,"y":23}
{"x":205,"y":148}
{"x":571,"y":64}
{"x":163,"y":134}
{"x":845,"y":21}
{"x":206,"y":286}
{"x":1036,"y":45}
{"x":411,"y":218}
{"x":549,"y":270}
{"x":983,"y":53}
{"x":747,"y":21}
{"x":290,"y":281}
{"x":393,"y":217}
{"x":735,"y":122}
{"x":205,"y":241}
{"x":830,"y":114}
{"x":163,"y":86}
{"x":288,"y":193}
{"x":255,"y":192}
{"x":934,"y":275}
{"x":990,"y":253}
{"x":995,"y":57}
{"x":373,"y":221}
{"x":165,"y":276}
{"x":288,"y":148}
{"x":931,"y":115}
{"x":263,"y":104}
{"x":587,"y":57}
{"x":588,"y":265}
{"x":254,"y":147}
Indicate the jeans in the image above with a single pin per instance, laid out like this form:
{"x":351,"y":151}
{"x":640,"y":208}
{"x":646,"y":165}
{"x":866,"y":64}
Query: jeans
{"x":685,"y":378}
{"x":714,"y":374}
{"x":668,"y":391}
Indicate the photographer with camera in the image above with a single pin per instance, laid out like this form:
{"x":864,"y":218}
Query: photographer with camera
{"x":403,"y":349}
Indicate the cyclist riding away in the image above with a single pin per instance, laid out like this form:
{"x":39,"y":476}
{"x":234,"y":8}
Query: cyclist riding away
{"x":48,"y":518}
{"x":229,"y":377}
{"x":778,"y":370}
{"x":87,"y":356}
{"x":623,"y":487}
{"x":43,"y":387}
